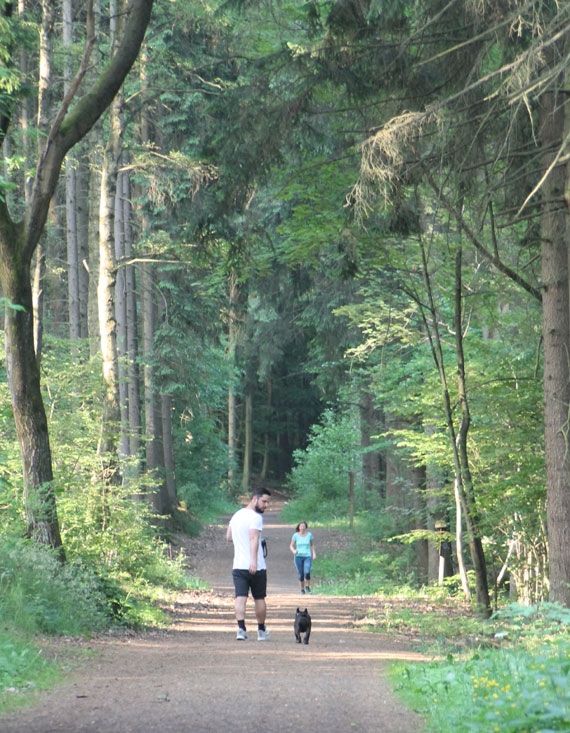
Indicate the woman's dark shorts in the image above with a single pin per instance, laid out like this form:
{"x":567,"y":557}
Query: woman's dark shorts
{"x":244,"y":581}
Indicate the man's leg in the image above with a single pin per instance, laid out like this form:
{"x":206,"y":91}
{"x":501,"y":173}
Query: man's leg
{"x":260,"y":613}
{"x":240,"y":607}
{"x":260,"y":610}
{"x":240,"y":616}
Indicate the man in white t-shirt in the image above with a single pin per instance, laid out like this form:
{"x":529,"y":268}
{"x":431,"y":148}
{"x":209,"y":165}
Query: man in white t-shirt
{"x":249,"y":567}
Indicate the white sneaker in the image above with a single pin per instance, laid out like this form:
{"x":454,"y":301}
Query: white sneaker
{"x":262,"y":635}
{"x":241,"y":634}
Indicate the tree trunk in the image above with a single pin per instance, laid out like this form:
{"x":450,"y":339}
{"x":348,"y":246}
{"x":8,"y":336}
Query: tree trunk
{"x":72,"y":250}
{"x":70,"y":190}
{"x":154,"y":449}
{"x":372,"y":462}
{"x":248,"y":442}
{"x":268,"y":410}
{"x":133,"y":376}
{"x":82,"y":210}
{"x":466,"y":483}
{"x":27,"y":404}
{"x":418,"y":474}
{"x":38,"y":299}
{"x":153,"y":410}
{"x":121,"y":318}
{"x":556,"y":334}
{"x":233,"y":331}
{"x":107,"y":449}
{"x":168,"y":447}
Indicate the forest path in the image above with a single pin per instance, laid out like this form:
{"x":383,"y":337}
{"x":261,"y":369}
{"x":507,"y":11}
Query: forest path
{"x":197,"y":677}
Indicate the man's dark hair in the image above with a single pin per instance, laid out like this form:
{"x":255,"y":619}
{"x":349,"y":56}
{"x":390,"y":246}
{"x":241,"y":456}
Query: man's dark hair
{"x":260,"y":492}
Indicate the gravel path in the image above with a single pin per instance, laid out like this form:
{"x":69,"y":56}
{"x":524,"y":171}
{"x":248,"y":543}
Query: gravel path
{"x":197,"y":677}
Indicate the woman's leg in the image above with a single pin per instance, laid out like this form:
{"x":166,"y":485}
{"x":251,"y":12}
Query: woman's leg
{"x":300,"y":565}
{"x":307,"y":572}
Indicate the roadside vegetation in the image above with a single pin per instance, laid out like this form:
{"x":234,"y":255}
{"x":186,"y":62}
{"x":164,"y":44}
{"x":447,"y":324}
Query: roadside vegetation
{"x":507,"y":674}
{"x":122,"y":564}
{"x":121,"y":579}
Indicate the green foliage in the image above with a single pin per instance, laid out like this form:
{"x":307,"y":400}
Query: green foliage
{"x":353,"y":573}
{"x":108,"y":530}
{"x":368,"y":566}
{"x":533,"y":624}
{"x":22,"y":667}
{"x":39,"y":595}
{"x":514,"y":690}
{"x":519,"y":687}
{"x":114,"y":532}
{"x":320,"y":479}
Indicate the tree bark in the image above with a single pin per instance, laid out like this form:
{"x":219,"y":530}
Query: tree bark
{"x":110,"y":421}
{"x":466,"y":483}
{"x":268,"y":410}
{"x":248,"y":442}
{"x":38,"y":299}
{"x":153,"y":410}
{"x":133,"y":374}
{"x":233,"y":331}
{"x":168,"y":447}
{"x":29,"y":414}
{"x":372,"y":461}
{"x":121,"y":317}
{"x":82,"y":209}
{"x":556,"y":334}
{"x":70,"y":191}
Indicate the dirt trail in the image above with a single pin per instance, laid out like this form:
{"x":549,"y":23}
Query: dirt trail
{"x":197,"y":677}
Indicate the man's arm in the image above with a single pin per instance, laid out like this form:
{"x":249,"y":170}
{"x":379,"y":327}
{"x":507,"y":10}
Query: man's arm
{"x":254,"y":535}
{"x":229,"y":533}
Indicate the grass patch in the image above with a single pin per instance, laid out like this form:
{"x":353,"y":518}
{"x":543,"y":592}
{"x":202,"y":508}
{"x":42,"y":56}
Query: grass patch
{"x":511,"y":691}
{"x":23,"y":669}
{"x":516,"y":680}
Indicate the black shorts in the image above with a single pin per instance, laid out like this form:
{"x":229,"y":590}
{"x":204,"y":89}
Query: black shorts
{"x":244,"y":581}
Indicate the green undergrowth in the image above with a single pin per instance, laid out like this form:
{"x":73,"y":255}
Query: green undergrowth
{"x":23,"y":668}
{"x":519,"y":685}
{"x":508,"y":674}
{"x":123,"y":577}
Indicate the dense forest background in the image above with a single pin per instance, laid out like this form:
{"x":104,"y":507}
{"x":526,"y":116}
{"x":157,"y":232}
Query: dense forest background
{"x":319,"y":245}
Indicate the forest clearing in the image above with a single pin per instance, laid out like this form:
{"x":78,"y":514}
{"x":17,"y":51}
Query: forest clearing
{"x":319,"y":247}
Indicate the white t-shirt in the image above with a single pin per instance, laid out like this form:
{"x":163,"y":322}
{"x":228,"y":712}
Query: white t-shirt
{"x":241,"y":522}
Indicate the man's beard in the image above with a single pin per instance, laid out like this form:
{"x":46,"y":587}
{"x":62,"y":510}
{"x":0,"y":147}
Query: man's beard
{"x":258,"y":509}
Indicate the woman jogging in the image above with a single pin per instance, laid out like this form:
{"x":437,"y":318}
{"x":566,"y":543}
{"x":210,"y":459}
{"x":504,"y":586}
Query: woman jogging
{"x":303,"y":548}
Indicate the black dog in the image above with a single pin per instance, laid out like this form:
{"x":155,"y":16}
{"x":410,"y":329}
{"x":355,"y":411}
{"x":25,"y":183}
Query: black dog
{"x":302,"y":625}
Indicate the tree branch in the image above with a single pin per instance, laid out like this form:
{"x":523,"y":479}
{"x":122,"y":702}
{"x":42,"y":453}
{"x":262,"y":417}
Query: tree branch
{"x":495,"y":260}
{"x":77,"y":122}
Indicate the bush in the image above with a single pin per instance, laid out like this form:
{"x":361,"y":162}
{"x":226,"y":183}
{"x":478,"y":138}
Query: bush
{"x":319,"y":482}
{"x":39,"y":595}
{"x":113,"y":532}
{"x":521,"y":687}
